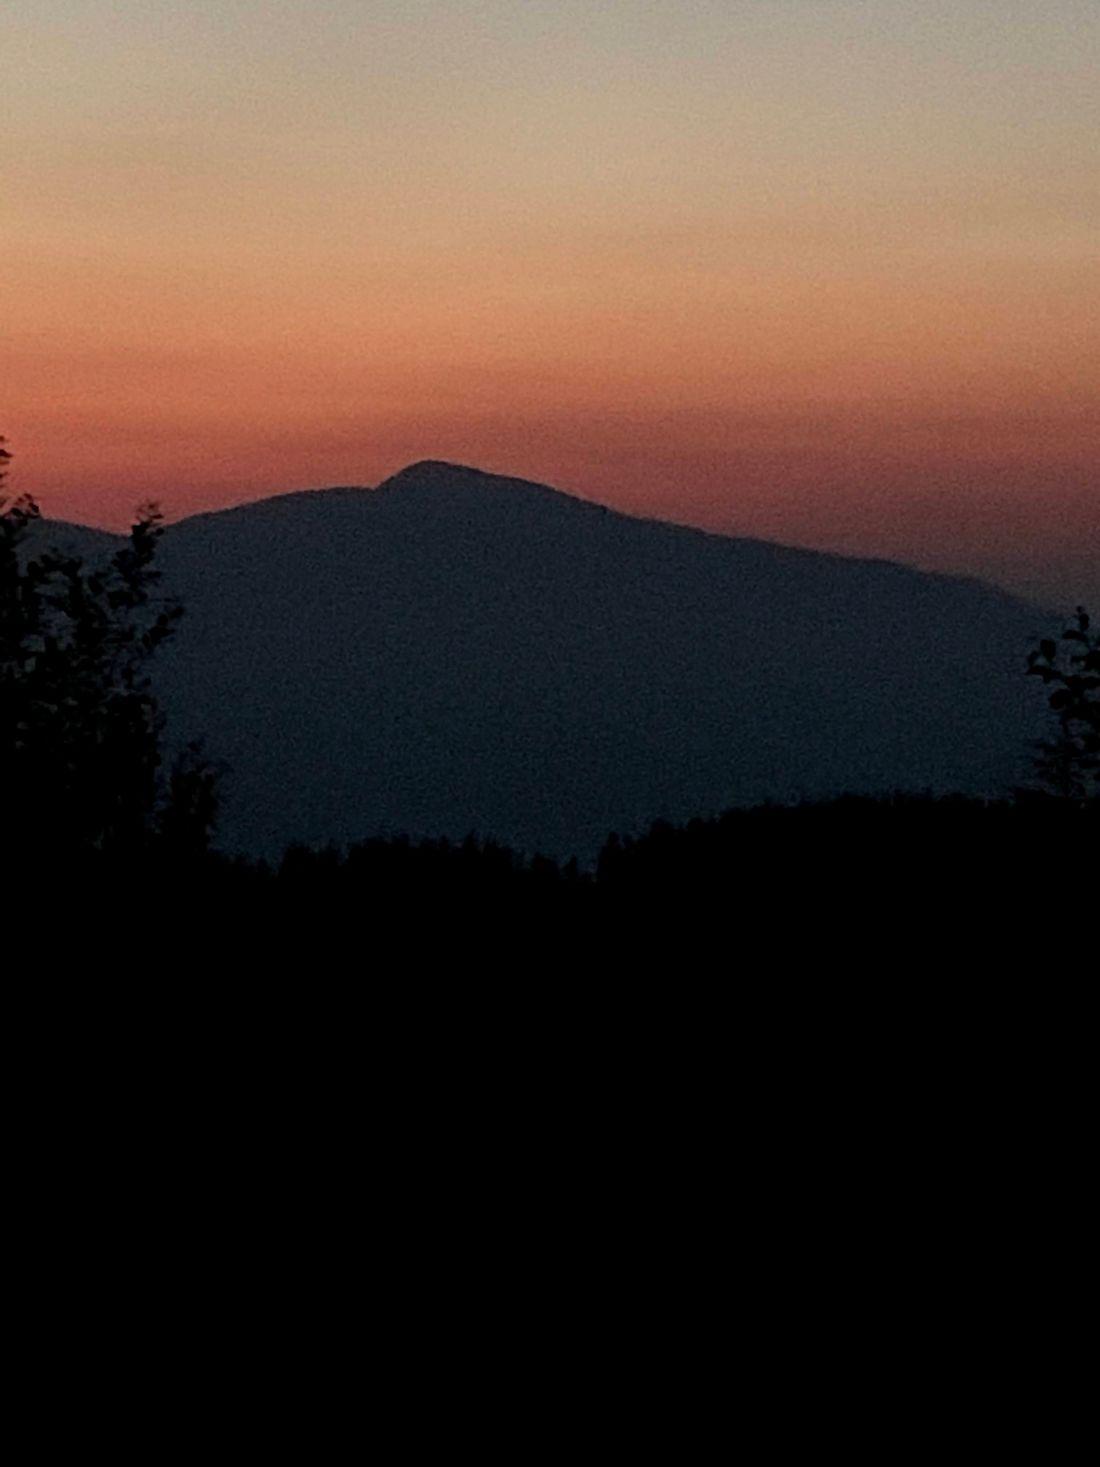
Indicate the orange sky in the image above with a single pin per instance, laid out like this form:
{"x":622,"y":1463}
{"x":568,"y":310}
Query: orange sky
{"x":825,"y":271}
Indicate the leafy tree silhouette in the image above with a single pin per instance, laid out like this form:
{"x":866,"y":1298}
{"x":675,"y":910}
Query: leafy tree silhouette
{"x":1070,"y":763}
{"x":81,"y":732}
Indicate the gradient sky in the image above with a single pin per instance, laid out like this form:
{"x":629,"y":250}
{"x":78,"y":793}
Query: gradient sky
{"x":826,"y":271}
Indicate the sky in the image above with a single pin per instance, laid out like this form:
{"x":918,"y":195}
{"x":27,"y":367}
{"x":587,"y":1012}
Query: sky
{"x":824,"y":271}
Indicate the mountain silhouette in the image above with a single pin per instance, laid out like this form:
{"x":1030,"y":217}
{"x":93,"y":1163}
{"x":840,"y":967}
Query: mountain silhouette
{"x":455,"y":651}
{"x":62,"y":538}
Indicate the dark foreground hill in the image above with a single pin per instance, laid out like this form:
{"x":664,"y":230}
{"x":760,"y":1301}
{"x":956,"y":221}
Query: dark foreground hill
{"x":455,"y":651}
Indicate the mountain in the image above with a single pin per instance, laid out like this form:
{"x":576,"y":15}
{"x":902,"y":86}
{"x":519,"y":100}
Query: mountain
{"x":63,"y":538}
{"x":456,"y":651}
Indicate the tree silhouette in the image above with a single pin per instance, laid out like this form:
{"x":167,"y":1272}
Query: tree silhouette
{"x":1070,"y":763}
{"x":81,"y":731}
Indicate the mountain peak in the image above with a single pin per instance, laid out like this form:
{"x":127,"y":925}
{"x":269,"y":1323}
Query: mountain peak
{"x":432,"y":473}
{"x":438,"y":467}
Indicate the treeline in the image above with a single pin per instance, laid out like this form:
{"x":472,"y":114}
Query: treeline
{"x":833,"y":878}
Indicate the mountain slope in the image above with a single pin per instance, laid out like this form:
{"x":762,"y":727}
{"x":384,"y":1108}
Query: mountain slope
{"x":457,"y":651}
{"x":63,"y":538}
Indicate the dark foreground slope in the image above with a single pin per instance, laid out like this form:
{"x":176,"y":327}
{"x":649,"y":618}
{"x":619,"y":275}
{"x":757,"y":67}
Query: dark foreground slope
{"x":455,"y":651}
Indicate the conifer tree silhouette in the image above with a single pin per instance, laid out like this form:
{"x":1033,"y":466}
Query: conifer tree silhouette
{"x":1069,"y":764}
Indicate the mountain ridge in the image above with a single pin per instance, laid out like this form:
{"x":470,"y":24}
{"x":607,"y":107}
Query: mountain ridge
{"x":455,"y":652}
{"x":427,"y":474}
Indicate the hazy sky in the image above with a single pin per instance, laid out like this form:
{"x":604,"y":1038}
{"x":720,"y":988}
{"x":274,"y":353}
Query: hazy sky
{"x":822,"y":270}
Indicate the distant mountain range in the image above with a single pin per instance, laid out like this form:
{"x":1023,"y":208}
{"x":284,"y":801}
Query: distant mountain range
{"x":454,"y":651}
